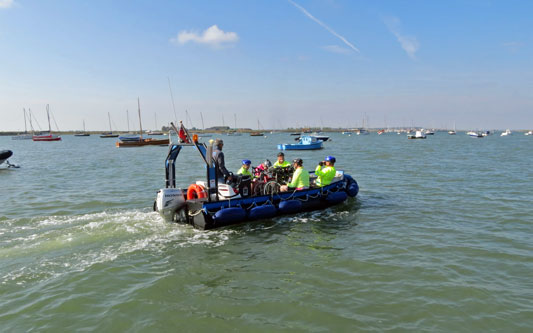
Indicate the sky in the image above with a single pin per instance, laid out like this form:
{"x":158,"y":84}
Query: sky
{"x":268,"y":64}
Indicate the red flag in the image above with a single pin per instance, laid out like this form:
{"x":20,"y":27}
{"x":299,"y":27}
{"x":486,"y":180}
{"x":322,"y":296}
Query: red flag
{"x":183,"y":136}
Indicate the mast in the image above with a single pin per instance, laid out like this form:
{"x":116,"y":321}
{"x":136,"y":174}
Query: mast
{"x":172,"y":98}
{"x":201,"y":116}
{"x":155,"y":116}
{"x":223,"y":120}
{"x":235,"y":120}
{"x":25,"y":127}
{"x":83,"y":125}
{"x":31,"y":124}
{"x":128,"y":120}
{"x":140,"y":123}
{"x":109,"y":118}
{"x":48,"y":115}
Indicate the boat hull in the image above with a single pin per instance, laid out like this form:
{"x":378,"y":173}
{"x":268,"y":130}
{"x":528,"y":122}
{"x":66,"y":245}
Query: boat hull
{"x":206,"y":215}
{"x":4,"y":155}
{"x":143,"y":142}
{"x":46,"y":138}
{"x":311,"y":146}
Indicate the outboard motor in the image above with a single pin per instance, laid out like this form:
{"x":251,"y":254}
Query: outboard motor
{"x":169,"y":201}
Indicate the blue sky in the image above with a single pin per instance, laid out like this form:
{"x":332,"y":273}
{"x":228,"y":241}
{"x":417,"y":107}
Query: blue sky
{"x":285,"y":63}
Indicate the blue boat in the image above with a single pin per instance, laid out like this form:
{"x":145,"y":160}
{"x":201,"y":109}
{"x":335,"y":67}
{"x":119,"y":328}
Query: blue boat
{"x":132,"y":138}
{"x":209,"y":204}
{"x":306,"y":142}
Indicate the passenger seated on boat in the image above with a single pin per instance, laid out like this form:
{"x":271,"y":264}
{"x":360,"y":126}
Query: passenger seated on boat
{"x":245,"y":169}
{"x":281,"y":163}
{"x":325,"y":171}
{"x":262,"y":168}
{"x":300,"y":178}
{"x":218,"y":156}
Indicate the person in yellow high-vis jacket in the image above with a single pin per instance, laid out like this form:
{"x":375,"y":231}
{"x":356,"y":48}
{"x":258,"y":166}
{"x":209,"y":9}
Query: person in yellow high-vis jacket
{"x":300,"y":178}
{"x":325,"y":171}
{"x":245,"y":169}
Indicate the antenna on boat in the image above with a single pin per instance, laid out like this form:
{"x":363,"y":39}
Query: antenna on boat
{"x":172,"y":98}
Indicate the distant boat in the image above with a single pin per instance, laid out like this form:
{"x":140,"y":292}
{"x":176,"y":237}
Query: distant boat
{"x":529,"y":133}
{"x":506,"y":133}
{"x":49,"y":136}
{"x":347,"y":132}
{"x":322,"y":138}
{"x":453,"y":132}
{"x":110,"y":133}
{"x":475,"y":134}
{"x":417,"y":135}
{"x":26,"y":135}
{"x":258,"y":132}
{"x":306,"y":143}
{"x":140,"y":141}
{"x":84,"y":133}
{"x":429,"y":132}
{"x":381,"y":132}
{"x":362,"y":131}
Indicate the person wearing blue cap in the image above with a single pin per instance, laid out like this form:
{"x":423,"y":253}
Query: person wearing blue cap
{"x":325,"y":171}
{"x":245,"y":169}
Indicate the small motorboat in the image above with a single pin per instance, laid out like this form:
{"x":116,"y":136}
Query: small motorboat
{"x":209,"y":204}
{"x":306,"y":142}
{"x":529,"y":133}
{"x":506,"y":133}
{"x":322,"y":138}
{"x":475,"y":134}
{"x":417,"y":135}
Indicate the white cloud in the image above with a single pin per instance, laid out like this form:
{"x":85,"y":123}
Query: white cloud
{"x":513,"y":47}
{"x":306,"y":13}
{"x":6,"y":3}
{"x":336,"y":49}
{"x":408,"y":43}
{"x":212,"y":36}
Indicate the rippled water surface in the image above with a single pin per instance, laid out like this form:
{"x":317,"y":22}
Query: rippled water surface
{"x":438,"y":239}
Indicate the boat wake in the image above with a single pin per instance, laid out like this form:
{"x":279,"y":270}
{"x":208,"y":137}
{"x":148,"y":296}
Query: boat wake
{"x":36,"y":249}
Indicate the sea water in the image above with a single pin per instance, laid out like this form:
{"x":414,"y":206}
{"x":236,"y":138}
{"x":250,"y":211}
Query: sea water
{"x":440,"y":238}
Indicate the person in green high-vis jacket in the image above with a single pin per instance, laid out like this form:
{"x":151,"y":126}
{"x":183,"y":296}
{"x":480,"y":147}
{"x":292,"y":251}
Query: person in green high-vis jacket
{"x":325,"y":171}
{"x":245,"y":169}
{"x":300,"y":178}
{"x":281,"y":163}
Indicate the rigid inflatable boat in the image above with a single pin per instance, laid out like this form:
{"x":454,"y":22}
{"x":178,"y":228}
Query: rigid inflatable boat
{"x":210,"y":204}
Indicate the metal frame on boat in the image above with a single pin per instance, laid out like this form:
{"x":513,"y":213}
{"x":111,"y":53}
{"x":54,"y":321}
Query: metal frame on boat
{"x":217,"y":205}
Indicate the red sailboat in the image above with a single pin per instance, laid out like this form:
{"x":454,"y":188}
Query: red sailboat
{"x":49,"y":136}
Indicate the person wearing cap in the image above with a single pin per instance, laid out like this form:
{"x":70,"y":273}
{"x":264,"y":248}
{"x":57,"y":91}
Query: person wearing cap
{"x":325,"y":171}
{"x":218,"y":156}
{"x":300,"y":178}
{"x":281,"y":163}
{"x":245,"y":169}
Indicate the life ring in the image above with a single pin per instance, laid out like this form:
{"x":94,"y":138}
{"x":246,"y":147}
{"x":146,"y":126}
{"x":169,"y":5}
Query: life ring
{"x":196,"y":191}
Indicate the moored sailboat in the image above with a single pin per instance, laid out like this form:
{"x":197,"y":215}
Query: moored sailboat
{"x":141,"y":141}
{"x":49,"y":136}
{"x":25,"y":135}
{"x":110,"y":133}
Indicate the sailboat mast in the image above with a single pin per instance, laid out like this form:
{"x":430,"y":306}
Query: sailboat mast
{"x":109,"y":119}
{"x":128,"y":120}
{"x":48,"y":115}
{"x":235,"y":120}
{"x":155,"y":117}
{"x":201,"y":116}
{"x":31,"y":124}
{"x":25,"y":127}
{"x":140,"y":123}
{"x":172,"y":98}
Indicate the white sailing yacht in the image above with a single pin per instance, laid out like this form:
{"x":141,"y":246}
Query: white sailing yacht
{"x":26,"y":135}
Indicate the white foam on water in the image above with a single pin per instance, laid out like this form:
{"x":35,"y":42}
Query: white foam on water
{"x":58,"y":245}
